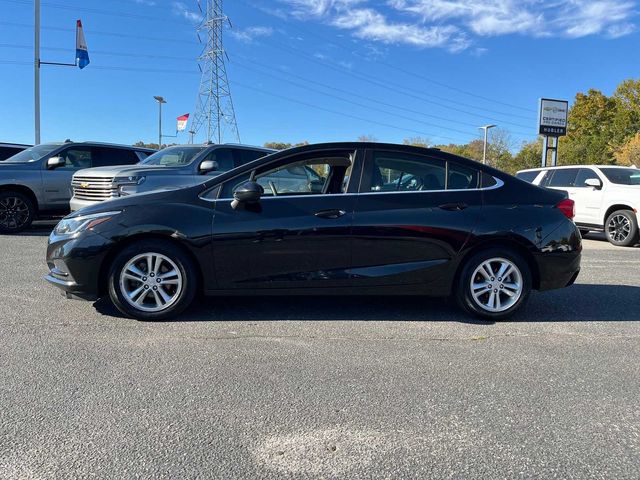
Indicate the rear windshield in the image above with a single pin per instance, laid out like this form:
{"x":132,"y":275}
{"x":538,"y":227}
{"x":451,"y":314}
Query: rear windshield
{"x":32,"y":154}
{"x":622,"y":176}
{"x":527,"y":176}
{"x":173,"y":156}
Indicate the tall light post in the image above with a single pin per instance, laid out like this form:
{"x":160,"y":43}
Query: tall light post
{"x":36,"y":64}
{"x":160,"y":101}
{"x":486,"y":129}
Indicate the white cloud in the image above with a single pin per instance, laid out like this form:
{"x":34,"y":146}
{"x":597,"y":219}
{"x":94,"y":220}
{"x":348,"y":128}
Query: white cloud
{"x":456,"y":24}
{"x":569,"y":18}
{"x":182,"y":10}
{"x":147,"y":3}
{"x":249,"y":34}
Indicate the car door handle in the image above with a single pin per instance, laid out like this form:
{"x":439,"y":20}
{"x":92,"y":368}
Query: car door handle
{"x":453,"y":207}
{"x":330,"y":214}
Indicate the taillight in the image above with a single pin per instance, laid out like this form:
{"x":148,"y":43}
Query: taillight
{"x":568,"y":207}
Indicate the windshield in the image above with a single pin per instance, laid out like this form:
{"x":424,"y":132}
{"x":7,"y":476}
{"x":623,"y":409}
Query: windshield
{"x":32,"y":154}
{"x":622,"y":176}
{"x":173,"y":156}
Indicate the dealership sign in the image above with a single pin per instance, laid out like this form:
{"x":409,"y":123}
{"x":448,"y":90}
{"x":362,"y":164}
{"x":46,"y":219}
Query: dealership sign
{"x":553,"y":117}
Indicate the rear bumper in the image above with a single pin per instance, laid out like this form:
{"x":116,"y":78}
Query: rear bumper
{"x":558,"y":270}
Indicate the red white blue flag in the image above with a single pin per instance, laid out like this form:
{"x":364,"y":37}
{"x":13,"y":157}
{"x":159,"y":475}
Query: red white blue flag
{"x":182,"y":122}
{"x":82,"y":53}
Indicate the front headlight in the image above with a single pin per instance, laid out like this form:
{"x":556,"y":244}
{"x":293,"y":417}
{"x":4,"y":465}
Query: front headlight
{"x":132,"y":180}
{"x":126,"y":185}
{"x":71,"y":226}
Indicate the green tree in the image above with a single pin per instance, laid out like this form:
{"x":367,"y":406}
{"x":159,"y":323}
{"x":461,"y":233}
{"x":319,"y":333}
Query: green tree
{"x":626,"y":122}
{"x":417,"y":142}
{"x":278,"y":145}
{"x":590,"y":130}
{"x":629,"y":153}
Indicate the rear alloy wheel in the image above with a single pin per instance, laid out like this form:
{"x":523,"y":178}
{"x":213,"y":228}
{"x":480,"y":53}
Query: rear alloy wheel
{"x":622,"y":228}
{"x":152,"y":280}
{"x":16,"y":212}
{"x":494,"y":284}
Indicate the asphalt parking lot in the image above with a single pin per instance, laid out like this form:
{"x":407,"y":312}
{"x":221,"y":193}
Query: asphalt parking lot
{"x":321,"y":387}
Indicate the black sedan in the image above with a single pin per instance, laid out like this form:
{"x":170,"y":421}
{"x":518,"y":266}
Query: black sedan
{"x":328,"y":219}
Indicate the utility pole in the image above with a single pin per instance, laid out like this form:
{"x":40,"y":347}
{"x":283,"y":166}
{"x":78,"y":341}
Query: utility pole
{"x":36,"y":64}
{"x":486,"y":129}
{"x":215,"y":114}
{"x":160,"y":101}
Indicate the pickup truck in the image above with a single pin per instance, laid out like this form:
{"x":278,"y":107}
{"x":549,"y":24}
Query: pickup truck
{"x":36,"y":182}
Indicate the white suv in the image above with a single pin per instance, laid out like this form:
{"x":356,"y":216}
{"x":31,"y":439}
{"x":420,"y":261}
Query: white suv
{"x":607,"y":198}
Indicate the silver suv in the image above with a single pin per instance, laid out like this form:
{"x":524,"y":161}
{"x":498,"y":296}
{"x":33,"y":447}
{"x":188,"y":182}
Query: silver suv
{"x":37,"y":181}
{"x":172,"y":167}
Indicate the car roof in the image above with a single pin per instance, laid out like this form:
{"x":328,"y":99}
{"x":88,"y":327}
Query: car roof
{"x":102,"y":144}
{"x":560,"y":167}
{"x":6,"y":144}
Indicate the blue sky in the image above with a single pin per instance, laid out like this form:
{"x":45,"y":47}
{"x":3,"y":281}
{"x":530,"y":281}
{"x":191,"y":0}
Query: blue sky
{"x":316,"y":70}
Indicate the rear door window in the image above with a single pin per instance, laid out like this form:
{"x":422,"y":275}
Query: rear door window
{"x":245,"y":156}
{"x":401,"y":172}
{"x":114,"y":156}
{"x":527,"y":176}
{"x":461,"y":178}
{"x":564,"y":177}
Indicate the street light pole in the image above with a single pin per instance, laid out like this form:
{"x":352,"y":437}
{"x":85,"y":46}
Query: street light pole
{"x":36,"y":64}
{"x":486,"y":129}
{"x":160,"y":101}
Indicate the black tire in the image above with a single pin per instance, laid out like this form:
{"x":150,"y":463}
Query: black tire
{"x":584,"y":232}
{"x":17,"y":212}
{"x":174,"y":259}
{"x":616,"y":228}
{"x":463,"y":290}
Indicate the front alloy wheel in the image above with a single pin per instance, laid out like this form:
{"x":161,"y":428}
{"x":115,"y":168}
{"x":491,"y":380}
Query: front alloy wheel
{"x":494,"y":284}
{"x":16,"y":212}
{"x":152,"y":280}
{"x":622,"y":228}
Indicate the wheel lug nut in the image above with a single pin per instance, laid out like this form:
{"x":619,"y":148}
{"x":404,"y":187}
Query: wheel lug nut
{"x":155,"y":288}
{"x":144,"y":279}
{"x":153,"y":274}
{"x":158,"y":280}
{"x":496,"y":290}
{"x":146,"y":287}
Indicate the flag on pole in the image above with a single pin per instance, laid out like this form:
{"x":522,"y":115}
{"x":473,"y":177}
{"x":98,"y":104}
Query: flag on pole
{"x":82,"y":53}
{"x":182,"y":122}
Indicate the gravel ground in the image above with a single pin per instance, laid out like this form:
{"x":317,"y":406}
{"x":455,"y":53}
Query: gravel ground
{"x":321,"y":387}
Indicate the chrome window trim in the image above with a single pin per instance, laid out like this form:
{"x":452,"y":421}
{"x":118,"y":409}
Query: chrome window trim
{"x":499,"y":184}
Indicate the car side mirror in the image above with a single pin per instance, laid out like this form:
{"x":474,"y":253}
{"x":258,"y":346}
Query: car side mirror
{"x":249,"y":192}
{"x":55,"y":162}
{"x":208,"y":166}
{"x":593,"y":182}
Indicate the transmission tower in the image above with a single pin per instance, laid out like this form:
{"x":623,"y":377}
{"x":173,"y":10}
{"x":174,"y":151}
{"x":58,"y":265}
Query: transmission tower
{"x":215,"y":116}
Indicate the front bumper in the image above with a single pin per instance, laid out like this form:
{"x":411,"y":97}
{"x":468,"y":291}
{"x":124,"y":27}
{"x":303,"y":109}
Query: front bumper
{"x":75,"y":264}
{"x":77,"y":204}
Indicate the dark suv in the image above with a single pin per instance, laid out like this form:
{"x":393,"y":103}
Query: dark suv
{"x":37,"y":181}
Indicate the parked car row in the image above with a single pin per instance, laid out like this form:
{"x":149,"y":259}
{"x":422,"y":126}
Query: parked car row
{"x":607,"y":198}
{"x":339,"y":218}
{"x":40,"y":181}
{"x":8,"y":150}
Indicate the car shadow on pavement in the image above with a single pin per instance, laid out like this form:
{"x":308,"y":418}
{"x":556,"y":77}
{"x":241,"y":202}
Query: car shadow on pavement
{"x":40,"y":228}
{"x":578,"y":303}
